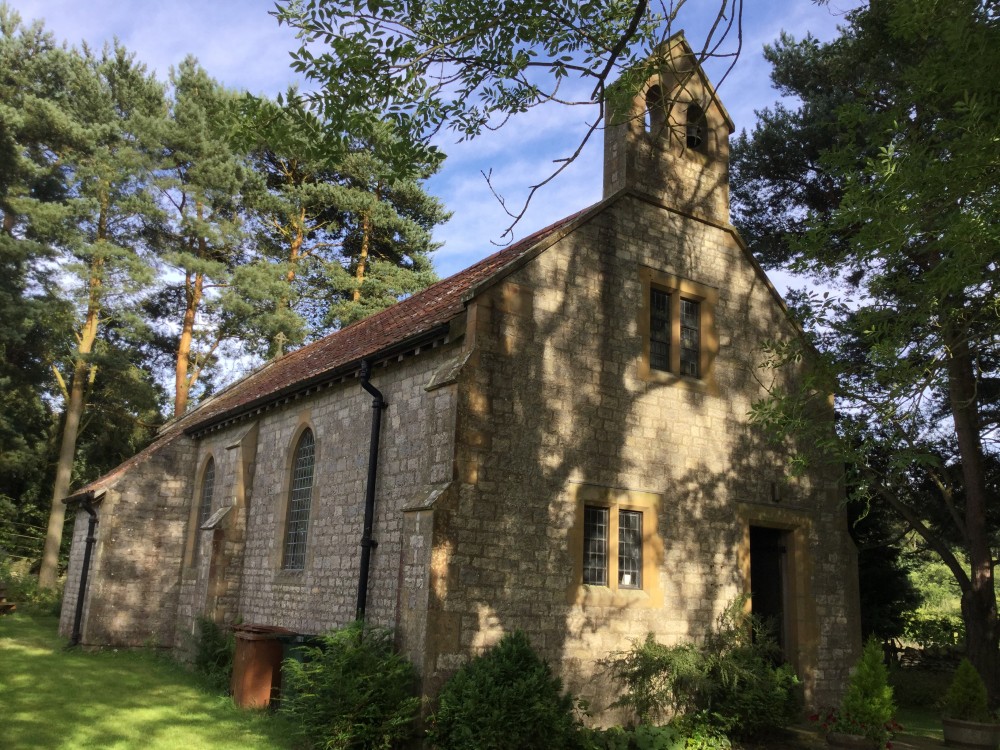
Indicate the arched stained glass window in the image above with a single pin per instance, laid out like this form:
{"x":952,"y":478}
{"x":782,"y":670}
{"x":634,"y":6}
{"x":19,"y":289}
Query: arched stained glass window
{"x":299,"y":501}
{"x":205,"y":503}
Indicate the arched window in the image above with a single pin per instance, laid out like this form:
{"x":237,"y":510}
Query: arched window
{"x":696,"y":127}
{"x":205,"y":503}
{"x":656,"y":115}
{"x":299,"y":500}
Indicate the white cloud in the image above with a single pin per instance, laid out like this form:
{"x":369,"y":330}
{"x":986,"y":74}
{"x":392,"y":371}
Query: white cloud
{"x":237,"y":42}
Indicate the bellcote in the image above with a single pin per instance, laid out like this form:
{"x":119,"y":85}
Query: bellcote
{"x":670,"y":139}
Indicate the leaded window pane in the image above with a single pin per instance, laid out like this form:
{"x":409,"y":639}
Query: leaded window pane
{"x":207,"y":490}
{"x":630,"y":549}
{"x":690,"y":338}
{"x":595,"y":546}
{"x":205,"y":504}
{"x":299,"y":501}
{"x":659,"y":330}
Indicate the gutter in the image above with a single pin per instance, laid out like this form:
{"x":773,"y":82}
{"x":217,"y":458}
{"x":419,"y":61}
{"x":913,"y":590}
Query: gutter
{"x":316,"y":381}
{"x":86,"y":502}
{"x":367,"y":543}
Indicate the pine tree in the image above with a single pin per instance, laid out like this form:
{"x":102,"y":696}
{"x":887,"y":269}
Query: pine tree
{"x":884,"y":182}
{"x":93,"y":230}
{"x":33,"y":318}
{"x":201,"y":238}
{"x":344,"y":229}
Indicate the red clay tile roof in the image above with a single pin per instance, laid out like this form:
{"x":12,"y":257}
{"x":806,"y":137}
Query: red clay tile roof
{"x":422,"y":313}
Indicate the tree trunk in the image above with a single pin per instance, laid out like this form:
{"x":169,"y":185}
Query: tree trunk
{"x":295,"y":252}
{"x":182,"y":384}
{"x":979,"y":609}
{"x":71,"y":429}
{"x":359,"y":273}
{"x":193,"y":288}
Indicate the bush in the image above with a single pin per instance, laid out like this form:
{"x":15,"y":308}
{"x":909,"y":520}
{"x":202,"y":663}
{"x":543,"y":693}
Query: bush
{"x":693,"y":733}
{"x":701,"y":731}
{"x":966,"y":698}
{"x":731,"y":676}
{"x":504,"y":699}
{"x":935,"y":631}
{"x":213,"y":654}
{"x":658,"y":680}
{"x":23,"y":589}
{"x":867,"y":707}
{"x":918,"y":687}
{"x":868,"y":695}
{"x":743,"y":685}
{"x":352,"y":691}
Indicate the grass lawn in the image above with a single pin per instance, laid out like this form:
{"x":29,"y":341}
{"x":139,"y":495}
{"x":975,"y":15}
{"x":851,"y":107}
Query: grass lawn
{"x":58,"y":699}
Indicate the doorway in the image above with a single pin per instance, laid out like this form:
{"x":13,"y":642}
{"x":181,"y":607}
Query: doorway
{"x":768,"y":582}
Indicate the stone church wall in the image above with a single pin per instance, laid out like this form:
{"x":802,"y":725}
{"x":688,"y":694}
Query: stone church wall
{"x":134,"y":580}
{"x":415,"y":453}
{"x":555,"y":414}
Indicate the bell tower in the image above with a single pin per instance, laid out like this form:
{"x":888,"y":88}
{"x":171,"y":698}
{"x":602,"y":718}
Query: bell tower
{"x":670,"y":139}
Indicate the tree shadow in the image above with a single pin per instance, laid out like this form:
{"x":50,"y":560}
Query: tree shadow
{"x":552,"y":400}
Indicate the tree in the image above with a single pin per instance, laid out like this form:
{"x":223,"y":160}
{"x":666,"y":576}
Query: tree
{"x":95,"y":228}
{"x":387,"y":230}
{"x":340,"y":233}
{"x":69,"y":194}
{"x":33,"y":318}
{"x":201,"y":238}
{"x":450,"y":63}
{"x":893,"y":200}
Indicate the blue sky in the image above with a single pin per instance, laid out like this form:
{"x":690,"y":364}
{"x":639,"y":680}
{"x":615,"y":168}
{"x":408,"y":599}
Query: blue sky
{"x":243,"y":47}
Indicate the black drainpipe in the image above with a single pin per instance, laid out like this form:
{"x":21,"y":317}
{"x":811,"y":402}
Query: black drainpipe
{"x":367,"y":543}
{"x":87,"y":504}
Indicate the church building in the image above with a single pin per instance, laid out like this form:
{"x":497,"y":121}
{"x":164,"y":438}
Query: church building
{"x":564,"y":449}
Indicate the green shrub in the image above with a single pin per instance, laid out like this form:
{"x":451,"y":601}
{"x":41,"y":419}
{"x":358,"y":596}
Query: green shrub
{"x":966,"y":698}
{"x":648,"y":737}
{"x":695,"y":732}
{"x":867,"y":707}
{"x":352,"y":691}
{"x":504,"y":699}
{"x":743,"y":685}
{"x":23,"y":589}
{"x":213,"y":654}
{"x":731,"y":676}
{"x":614,"y":738}
{"x":701,"y":730}
{"x":658,"y":680}
{"x":933,"y":631}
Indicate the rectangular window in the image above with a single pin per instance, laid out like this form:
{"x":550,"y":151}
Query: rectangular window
{"x":595,"y":546}
{"x":690,"y":338}
{"x":616,"y":550}
{"x":677,"y":325}
{"x":630,"y":549}
{"x":659,"y":330}
{"x":596,"y":532}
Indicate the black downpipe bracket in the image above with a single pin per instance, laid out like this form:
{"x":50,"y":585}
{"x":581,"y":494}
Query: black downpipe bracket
{"x":87,"y":504}
{"x":367,"y":543}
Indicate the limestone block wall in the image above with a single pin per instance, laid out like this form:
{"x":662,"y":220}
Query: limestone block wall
{"x":416,"y":454}
{"x":646,"y":148}
{"x":553,"y":408}
{"x":132,"y":596}
{"x":211,"y":577}
{"x":73,"y":572}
